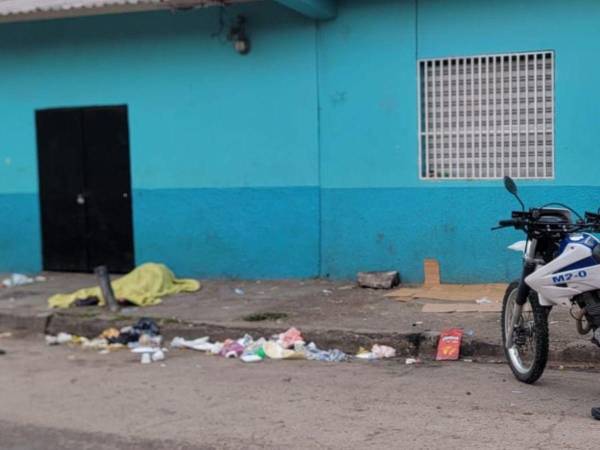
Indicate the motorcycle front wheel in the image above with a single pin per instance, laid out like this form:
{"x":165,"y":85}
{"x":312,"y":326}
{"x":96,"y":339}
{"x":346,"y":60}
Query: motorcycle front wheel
{"x":528,"y":354}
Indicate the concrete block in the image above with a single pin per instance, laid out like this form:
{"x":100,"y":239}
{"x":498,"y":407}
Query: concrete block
{"x":378,"y":280}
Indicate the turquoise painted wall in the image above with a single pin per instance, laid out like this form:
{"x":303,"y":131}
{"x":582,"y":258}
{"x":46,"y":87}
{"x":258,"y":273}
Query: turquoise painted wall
{"x":376,"y":212}
{"x":299,"y":159}
{"x":224,"y":148}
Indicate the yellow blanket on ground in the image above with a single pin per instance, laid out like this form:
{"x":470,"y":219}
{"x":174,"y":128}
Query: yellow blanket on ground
{"x":144,"y":286}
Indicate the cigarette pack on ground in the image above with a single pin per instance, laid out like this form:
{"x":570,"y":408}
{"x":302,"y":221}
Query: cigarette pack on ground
{"x":449,"y":345}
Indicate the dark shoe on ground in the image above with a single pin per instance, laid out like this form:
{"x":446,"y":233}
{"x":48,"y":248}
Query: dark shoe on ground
{"x":596,"y":413}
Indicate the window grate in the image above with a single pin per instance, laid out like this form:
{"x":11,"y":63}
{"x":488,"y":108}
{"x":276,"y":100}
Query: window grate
{"x":484,"y":117}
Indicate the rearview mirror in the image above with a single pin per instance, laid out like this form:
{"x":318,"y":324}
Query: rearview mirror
{"x":510,"y":185}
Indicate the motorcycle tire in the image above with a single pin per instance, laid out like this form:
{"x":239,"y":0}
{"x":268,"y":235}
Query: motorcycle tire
{"x":537,"y":328}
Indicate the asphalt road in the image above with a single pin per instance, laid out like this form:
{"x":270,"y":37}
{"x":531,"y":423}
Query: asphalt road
{"x":62,"y":398}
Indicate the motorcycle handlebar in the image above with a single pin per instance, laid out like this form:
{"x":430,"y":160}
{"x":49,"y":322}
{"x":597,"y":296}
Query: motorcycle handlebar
{"x":591,"y":222}
{"x":592,"y":217}
{"x":506,"y":223}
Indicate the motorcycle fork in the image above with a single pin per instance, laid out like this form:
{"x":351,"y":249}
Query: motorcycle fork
{"x":529,"y":266}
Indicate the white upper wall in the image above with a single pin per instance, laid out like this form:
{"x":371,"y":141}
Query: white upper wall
{"x":19,"y":10}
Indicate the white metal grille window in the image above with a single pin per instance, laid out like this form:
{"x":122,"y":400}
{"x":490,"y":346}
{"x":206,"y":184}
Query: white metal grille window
{"x":484,"y":117}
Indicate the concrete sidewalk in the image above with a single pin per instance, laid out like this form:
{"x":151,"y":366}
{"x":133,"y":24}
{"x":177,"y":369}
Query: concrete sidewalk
{"x":333,"y":314}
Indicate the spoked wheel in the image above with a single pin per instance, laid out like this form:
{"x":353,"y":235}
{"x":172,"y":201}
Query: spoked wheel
{"x":527,"y":354}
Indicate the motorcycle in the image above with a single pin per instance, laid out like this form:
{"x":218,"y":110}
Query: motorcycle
{"x":561,"y":267}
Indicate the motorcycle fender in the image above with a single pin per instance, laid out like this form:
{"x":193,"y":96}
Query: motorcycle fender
{"x":519,"y":246}
{"x":543,"y":301}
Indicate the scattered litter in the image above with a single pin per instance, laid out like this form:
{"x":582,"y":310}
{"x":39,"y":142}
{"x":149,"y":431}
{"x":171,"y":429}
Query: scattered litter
{"x":468,"y":360}
{"x":144,"y":286}
{"x":378,"y":280}
{"x":110,"y":333}
{"x":517,"y":392}
{"x":363,"y":353}
{"x":290,"y":338}
{"x":6,"y":334}
{"x":275,"y":350}
{"x":251,"y":358}
{"x":231,"y":349}
{"x":143,"y":337}
{"x":91,"y":344}
{"x":449,"y":345}
{"x":554,"y":322}
{"x":146,"y":339}
{"x":376,"y":352}
{"x":146,"y":326}
{"x":144,"y":332}
{"x":411,"y":361}
{"x":149,"y":354}
{"x":327,"y":291}
{"x":239,"y":291}
{"x":17,"y":279}
{"x":470,"y":333}
{"x":200,"y":344}
{"x":288,"y":345}
{"x":346,"y":287}
{"x":158,"y":355}
{"x":255,"y":348}
{"x":483,"y":301}
{"x":417,"y":323}
{"x":383,"y":351}
{"x":313,"y":353}
{"x":40,"y":279}
{"x":59,"y":339}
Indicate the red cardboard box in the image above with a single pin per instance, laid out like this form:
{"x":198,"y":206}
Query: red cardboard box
{"x":449,"y":345}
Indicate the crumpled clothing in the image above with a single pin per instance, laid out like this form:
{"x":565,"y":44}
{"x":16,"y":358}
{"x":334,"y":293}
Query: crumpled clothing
{"x":144,"y":286}
{"x":313,"y":353}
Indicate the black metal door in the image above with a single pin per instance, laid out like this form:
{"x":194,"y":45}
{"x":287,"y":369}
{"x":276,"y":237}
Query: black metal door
{"x":108,"y":188}
{"x":85,"y":189}
{"x":60,"y":162}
